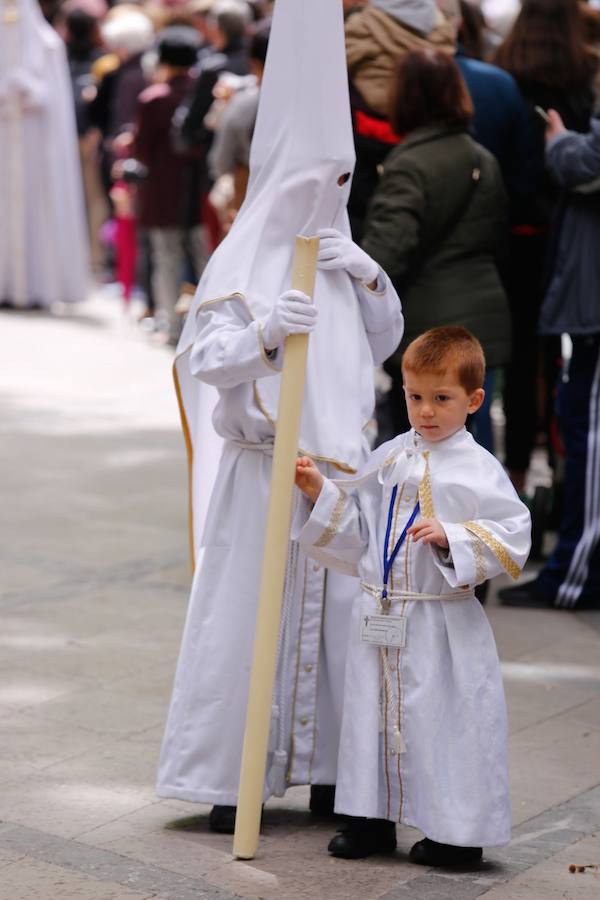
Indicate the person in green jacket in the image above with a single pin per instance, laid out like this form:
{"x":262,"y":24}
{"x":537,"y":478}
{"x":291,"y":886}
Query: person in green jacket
{"x":438,"y":220}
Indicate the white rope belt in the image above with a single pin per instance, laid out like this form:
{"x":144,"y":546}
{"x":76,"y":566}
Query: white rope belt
{"x":413,"y":595}
{"x":261,"y":447}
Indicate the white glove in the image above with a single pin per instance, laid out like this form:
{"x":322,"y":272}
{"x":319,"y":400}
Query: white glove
{"x":292,"y":314}
{"x":336,"y":251}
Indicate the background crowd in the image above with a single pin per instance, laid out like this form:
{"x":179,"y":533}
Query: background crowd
{"x":482,"y":212}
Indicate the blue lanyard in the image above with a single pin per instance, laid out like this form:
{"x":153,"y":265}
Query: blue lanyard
{"x":388,"y":561}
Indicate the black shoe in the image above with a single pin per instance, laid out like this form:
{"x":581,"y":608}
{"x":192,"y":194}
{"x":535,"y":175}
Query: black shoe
{"x":481,"y":592}
{"x":222,"y":819}
{"x":430,"y":853}
{"x":363,"y":837}
{"x":525,"y":596}
{"x":322,"y":798}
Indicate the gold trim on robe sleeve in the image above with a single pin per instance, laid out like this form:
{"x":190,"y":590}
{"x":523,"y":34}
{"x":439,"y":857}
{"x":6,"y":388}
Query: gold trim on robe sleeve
{"x":497,"y":548}
{"x":479,"y":557}
{"x":331,"y":530}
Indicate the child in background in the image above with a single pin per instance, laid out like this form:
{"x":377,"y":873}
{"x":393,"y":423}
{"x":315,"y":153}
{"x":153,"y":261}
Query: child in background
{"x":433,"y":514}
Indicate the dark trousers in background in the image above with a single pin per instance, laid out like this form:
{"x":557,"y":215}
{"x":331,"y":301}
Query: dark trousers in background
{"x":524,"y":284}
{"x":571,"y":577}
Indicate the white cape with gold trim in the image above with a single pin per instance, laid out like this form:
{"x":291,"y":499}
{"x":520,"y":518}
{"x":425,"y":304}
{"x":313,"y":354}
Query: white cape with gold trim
{"x":229,"y":391}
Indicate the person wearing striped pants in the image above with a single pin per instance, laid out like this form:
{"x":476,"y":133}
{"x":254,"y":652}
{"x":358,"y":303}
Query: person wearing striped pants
{"x":571,"y":577}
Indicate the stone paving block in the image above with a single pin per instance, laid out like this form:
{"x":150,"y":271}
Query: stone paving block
{"x":21,"y":689}
{"x":520,"y":632}
{"x":17,"y":576}
{"x":115,"y":764}
{"x":552,"y":762}
{"x":37,"y":742}
{"x":94,"y":657}
{"x":109,"y":710}
{"x":105,"y":866}
{"x":65,"y":808}
{"x":532,"y":700}
{"x":145,"y":820}
{"x":31,"y":879}
{"x":551,"y":880}
{"x":576,"y":658}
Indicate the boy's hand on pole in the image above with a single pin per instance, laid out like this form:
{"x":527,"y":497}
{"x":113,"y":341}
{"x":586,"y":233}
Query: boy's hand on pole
{"x":308,"y":478}
{"x":293,"y":313}
{"x":430,"y":532}
{"x":336,"y":251}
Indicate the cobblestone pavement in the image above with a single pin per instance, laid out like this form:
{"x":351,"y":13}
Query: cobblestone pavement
{"x":94,"y":579}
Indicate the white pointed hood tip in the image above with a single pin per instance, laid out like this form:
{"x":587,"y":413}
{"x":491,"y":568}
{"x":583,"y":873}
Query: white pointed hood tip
{"x":302,"y":144}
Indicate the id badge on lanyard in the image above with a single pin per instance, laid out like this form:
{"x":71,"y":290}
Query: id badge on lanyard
{"x":385,"y":630}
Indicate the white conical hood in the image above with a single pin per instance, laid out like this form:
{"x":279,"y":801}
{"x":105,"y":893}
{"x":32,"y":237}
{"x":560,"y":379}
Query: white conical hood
{"x":302,"y":144}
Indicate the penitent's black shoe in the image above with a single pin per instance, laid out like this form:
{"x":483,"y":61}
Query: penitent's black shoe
{"x":363,"y":837}
{"x":525,"y":596}
{"x":430,"y":853}
{"x":322,"y":799}
{"x":222,"y":819}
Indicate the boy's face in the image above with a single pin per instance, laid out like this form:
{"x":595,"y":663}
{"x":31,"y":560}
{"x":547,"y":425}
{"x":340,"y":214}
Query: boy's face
{"x":438,"y":404}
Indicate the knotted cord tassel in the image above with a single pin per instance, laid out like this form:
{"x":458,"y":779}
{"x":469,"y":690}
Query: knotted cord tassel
{"x":277,"y":778}
{"x":398,"y":745}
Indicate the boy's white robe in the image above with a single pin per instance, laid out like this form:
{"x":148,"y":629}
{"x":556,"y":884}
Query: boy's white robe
{"x":229,"y":392}
{"x":451,"y":780}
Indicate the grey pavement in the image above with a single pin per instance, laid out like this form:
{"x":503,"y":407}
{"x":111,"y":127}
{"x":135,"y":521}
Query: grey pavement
{"x":94,"y":579}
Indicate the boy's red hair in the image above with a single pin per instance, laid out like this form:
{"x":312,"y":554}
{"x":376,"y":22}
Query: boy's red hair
{"x":450,"y":348}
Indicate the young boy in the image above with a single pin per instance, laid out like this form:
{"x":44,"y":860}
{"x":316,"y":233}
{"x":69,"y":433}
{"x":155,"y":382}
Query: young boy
{"x":432,"y":515}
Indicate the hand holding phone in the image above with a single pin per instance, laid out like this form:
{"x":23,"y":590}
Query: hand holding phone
{"x":543,"y":114}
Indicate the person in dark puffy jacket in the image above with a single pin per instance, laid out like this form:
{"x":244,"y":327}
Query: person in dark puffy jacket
{"x":438,"y":219}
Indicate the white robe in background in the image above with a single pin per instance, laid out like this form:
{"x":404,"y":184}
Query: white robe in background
{"x":43,"y":243}
{"x":444,"y":693}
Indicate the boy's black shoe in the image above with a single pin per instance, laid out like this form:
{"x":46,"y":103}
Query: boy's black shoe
{"x":222,"y":819}
{"x":430,"y":853}
{"x":322,"y":798}
{"x":363,"y":837}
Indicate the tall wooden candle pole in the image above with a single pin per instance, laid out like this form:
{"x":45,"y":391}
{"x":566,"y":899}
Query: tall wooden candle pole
{"x":258,"y":716}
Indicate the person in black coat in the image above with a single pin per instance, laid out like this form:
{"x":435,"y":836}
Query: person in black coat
{"x":547,"y":54}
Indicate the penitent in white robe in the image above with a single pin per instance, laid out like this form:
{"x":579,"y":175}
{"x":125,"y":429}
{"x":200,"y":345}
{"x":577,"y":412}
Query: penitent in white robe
{"x":424,"y":738}
{"x":43,"y":239}
{"x":201,"y":753}
{"x":300,"y":165}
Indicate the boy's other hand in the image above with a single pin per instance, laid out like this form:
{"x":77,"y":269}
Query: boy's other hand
{"x":308,"y":478}
{"x":430,"y":532}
